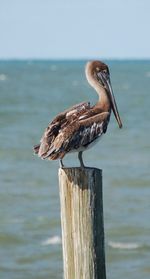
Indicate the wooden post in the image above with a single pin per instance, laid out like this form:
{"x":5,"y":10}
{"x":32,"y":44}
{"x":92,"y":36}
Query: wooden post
{"x":82,"y":223}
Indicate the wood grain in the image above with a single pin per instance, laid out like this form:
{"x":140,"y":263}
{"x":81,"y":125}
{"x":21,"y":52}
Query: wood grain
{"x":82,"y":223}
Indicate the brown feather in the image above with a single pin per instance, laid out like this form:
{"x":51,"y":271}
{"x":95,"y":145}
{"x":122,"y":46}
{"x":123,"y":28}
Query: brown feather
{"x":78,"y":134}
{"x":59,"y":122}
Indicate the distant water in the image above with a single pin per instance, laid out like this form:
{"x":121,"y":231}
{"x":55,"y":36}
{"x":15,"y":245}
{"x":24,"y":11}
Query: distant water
{"x":31,"y":94}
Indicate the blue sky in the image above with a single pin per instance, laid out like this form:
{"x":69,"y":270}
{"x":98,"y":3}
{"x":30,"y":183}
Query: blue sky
{"x":74,"y":29}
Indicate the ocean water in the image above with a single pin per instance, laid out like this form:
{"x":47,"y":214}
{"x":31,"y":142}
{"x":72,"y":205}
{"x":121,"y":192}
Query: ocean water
{"x":31,"y":94}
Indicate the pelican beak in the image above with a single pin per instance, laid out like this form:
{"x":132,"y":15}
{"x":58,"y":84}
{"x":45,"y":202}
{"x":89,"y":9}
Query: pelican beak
{"x":105,"y":79}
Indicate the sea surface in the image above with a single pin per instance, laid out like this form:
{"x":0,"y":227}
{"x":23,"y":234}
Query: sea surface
{"x":31,"y":94}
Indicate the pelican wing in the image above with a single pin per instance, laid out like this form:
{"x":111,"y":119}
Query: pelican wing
{"x":57,"y":124}
{"x":78,"y":134}
{"x":72,"y":110}
{"x":89,"y":130}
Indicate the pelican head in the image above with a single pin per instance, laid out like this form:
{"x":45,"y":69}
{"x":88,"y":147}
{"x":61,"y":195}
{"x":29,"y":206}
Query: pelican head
{"x":99,"y":72}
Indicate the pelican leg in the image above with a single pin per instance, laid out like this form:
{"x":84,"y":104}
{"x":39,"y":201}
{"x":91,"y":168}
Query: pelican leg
{"x":61,"y":163}
{"x":81,"y":159}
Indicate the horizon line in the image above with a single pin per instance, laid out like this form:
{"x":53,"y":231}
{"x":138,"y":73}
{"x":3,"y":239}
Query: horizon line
{"x":74,"y":59}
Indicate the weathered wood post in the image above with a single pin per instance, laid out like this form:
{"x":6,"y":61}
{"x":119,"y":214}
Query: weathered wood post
{"x":82,"y":223}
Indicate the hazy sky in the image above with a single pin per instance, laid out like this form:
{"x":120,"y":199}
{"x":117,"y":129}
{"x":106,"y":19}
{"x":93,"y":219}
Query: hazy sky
{"x":74,"y":29}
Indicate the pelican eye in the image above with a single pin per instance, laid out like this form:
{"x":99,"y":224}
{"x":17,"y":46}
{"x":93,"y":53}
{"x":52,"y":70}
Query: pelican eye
{"x":105,"y":73}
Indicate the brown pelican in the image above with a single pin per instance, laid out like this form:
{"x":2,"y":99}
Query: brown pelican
{"x":79,"y":127}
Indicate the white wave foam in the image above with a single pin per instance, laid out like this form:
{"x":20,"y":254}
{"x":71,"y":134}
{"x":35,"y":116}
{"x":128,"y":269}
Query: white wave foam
{"x":125,"y":86}
{"x":3,"y":77}
{"x":116,"y":245}
{"x":16,"y":220}
{"x":122,"y":245}
{"x":75,"y":83}
{"x":53,"y":68}
{"x":52,"y":240}
{"x":148,"y":74}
